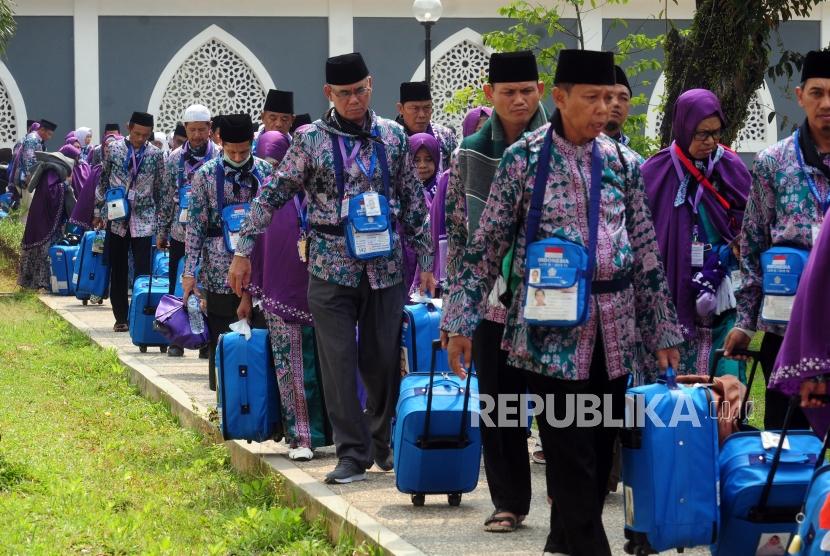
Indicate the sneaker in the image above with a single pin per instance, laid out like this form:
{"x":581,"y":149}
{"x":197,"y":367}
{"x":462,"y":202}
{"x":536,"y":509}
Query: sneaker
{"x":300,"y":454}
{"x":347,"y":471}
{"x":386,"y":463}
{"x":175,"y":351}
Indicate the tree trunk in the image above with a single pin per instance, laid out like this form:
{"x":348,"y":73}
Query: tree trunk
{"x":726,"y":53}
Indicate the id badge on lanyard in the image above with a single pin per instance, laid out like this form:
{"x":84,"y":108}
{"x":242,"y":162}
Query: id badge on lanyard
{"x":184,"y":204}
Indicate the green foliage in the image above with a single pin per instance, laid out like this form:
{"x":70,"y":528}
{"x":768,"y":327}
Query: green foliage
{"x":87,"y":466}
{"x":539,"y":27}
{"x":11,"y":232}
{"x":7,"y":24}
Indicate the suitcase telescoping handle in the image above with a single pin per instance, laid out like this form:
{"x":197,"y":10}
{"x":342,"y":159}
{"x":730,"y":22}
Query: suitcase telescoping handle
{"x":761,"y":513}
{"x":755,"y":355}
{"x":425,"y":441}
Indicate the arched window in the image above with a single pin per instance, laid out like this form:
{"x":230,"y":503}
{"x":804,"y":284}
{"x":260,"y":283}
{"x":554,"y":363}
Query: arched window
{"x":213,"y":69}
{"x":461,"y":60}
{"x":757,"y":134}
{"x":12,"y":109}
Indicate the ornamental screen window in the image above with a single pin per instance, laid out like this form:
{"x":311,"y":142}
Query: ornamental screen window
{"x":216,"y":76}
{"x":463,"y":65}
{"x":8,"y":118}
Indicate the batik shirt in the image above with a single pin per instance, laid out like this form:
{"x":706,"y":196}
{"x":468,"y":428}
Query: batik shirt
{"x":448,"y":141}
{"x":172,"y":223}
{"x":144,"y":192}
{"x":626,"y":247}
{"x":308,"y":165}
{"x":781,"y":210}
{"x":205,"y":219}
{"x":31,"y":144}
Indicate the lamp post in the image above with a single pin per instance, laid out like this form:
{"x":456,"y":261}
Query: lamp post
{"x":427,"y":12}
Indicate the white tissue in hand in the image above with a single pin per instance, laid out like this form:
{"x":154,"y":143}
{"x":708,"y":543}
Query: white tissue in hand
{"x":242,"y":327}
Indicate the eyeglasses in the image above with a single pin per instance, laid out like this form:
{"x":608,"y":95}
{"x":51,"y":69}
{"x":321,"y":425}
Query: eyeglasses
{"x":704,"y":135}
{"x":359,"y":92}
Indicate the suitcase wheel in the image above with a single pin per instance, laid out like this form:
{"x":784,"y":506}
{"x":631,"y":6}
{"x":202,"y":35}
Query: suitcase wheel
{"x":101,"y":301}
{"x":454,"y":499}
{"x":163,"y":349}
{"x":418,"y":499}
{"x":142,"y":349}
{"x":85,"y":302}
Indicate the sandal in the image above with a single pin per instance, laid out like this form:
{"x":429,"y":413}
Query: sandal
{"x":121,"y":327}
{"x":538,"y":454}
{"x":494,"y":523}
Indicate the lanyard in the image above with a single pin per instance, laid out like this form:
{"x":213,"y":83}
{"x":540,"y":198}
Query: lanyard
{"x":349,"y":159}
{"x":302,"y":213}
{"x":193,"y":168}
{"x":822,"y":203}
{"x":136,"y":163}
{"x":701,"y":179}
{"x":220,"y":184}
{"x":339,"y":176}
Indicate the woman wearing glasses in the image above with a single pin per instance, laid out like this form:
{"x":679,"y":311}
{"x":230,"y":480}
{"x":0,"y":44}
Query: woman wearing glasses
{"x":697,"y":191}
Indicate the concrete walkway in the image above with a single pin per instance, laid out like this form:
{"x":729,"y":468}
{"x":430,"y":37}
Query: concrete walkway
{"x":374,"y":510}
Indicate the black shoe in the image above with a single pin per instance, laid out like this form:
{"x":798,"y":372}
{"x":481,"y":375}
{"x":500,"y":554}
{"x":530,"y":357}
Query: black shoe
{"x":175,"y":351}
{"x":347,"y":471}
{"x":204,"y":353}
{"x":386,"y":463}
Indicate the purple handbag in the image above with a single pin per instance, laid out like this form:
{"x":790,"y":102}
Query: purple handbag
{"x":174,"y":323}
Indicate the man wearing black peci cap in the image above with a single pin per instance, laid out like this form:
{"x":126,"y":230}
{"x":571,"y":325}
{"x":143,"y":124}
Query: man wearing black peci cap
{"x":351,"y":163}
{"x":619,"y":108}
{"x":98,"y":150}
{"x":133,"y":170}
{"x":582,"y":339}
{"x":206,"y":240}
{"x":300,"y":120}
{"x":25,"y":156}
{"x":278,"y":111}
{"x":787,"y":205}
{"x":415,"y":115}
{"x":515,"y":91}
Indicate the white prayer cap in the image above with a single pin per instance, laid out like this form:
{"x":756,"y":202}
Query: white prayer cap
{"x":196,"y":113}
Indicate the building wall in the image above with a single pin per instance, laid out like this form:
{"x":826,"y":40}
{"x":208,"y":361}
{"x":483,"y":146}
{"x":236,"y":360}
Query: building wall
{"x":40,"y":59}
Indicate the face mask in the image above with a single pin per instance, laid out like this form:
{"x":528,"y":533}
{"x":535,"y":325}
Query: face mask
{"x":233,"y":164}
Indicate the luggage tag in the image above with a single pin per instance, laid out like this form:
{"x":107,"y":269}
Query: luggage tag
{"x":736,"y":276}
{"x":698,"y":250}
{"x":770,"y":440}
{"x":344,"y":207}
{"x":302,"y":248}
{"x":98,"y":244}
{"x":131,"y":195}
{"x":184,"y":204}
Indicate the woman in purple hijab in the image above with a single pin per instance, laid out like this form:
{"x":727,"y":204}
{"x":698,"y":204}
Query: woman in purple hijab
{"x":85,"y":179}
{"x":474,"y":120}
{"x":278,"y":288}
{"x":697,"y":191}
{"x":804,"y":359}
{"x":53,"y":200}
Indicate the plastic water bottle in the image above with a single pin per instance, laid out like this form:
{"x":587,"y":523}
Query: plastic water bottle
{"x":194,"y":313}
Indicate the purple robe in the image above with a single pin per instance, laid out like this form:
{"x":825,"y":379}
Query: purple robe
{"x":468,"y":126}
{"x":84,"y":180}
{"x":46,"y":213}
{"x":673,"y":224}
{"x":278,"y":277}
{"x":805,"y":352}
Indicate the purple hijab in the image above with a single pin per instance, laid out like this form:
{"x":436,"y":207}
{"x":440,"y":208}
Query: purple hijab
{"x":673,"y":225}
{"x":468,"y":126}
{"x":85,"y":180}
{"x":278,"y":277}
{"x":46,"y":213}
{"x":805,"y":352}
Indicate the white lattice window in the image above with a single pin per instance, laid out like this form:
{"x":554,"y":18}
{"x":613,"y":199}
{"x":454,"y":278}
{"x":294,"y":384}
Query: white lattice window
{"x":460,"y":61}
{"x":757,"y":134}
{"x":213,"y":69}
{"x":12,"y":109}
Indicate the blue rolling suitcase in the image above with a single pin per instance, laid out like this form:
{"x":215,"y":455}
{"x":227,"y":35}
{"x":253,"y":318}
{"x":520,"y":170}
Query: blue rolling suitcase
{"x":421,"y":326}
{"x":247,"y":394}
{"x":764,"y":482}
{"x":811,"y":535}
{"x":670,"y":468}
{"x":93,"y":273}
{"x":147,"y":292}
{"x":62,"y":259}
{"x":161,"y":262}
{"x":436,"y":438}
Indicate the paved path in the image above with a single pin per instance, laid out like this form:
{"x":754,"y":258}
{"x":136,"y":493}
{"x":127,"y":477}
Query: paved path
{"x":435,"y":528}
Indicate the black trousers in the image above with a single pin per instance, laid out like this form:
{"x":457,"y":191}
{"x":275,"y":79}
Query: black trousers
{"x":176,"y":254}
{"x":119,"y":249}
{"x":776,"y":403}
{"x":506,"y":462}
{"x":221,"y":314}
{"x":578,"y":458}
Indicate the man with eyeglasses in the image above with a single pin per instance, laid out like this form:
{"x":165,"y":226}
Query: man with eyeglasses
{"x":353,"y":167}
{"x":415,"y":115}
{"x":787,"y":204}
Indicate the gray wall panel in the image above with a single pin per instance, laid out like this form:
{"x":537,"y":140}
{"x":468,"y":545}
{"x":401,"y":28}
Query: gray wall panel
{"x":294,"y":47}
{"x":40,"y":58}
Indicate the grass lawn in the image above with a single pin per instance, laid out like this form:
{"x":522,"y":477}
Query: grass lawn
{"x":87,"y":466}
